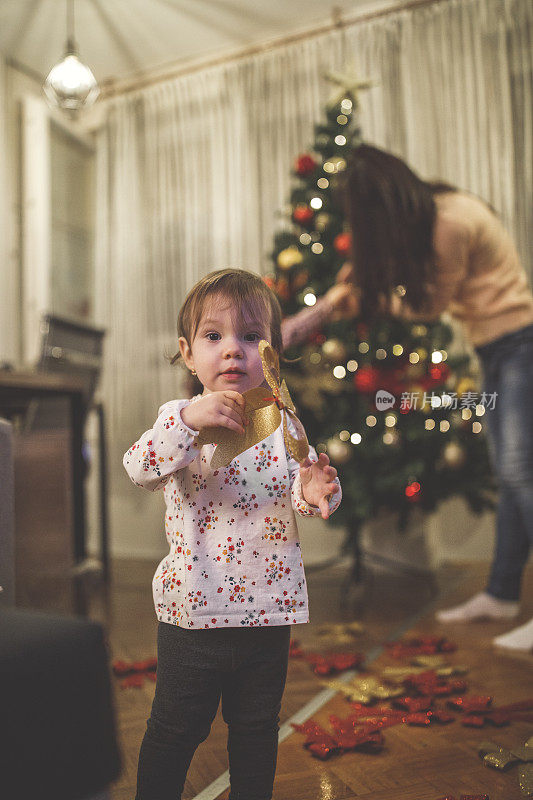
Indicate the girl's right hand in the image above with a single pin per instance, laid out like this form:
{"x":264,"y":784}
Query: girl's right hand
{"x":216,"y":409}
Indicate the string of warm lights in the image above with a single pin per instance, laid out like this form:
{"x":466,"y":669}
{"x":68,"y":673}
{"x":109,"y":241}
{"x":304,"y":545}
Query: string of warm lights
{"x":380,"y":362}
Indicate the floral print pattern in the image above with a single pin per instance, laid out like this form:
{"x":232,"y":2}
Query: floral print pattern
{"x":234,"y":557}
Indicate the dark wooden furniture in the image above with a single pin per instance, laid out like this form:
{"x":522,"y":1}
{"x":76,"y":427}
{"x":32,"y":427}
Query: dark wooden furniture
{"x":49,"y":473}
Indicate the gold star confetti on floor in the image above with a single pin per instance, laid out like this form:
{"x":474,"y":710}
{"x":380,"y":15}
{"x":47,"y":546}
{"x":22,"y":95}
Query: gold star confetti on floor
{"x":365,"y":690}
{"x":340,"y":633}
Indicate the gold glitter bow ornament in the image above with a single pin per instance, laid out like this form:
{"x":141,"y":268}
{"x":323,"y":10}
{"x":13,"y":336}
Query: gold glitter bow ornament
{"x":264,"y":414}
{"x":502,"y":758}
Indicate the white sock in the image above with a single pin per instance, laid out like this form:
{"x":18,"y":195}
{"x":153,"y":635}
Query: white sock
{"x":520,"y":638}
{"x":481,"y":606}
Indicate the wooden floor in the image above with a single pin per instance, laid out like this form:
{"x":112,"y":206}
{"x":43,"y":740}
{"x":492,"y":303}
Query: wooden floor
{"x":416,"y":764}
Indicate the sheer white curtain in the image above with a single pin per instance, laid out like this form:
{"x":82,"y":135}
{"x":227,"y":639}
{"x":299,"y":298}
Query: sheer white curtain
{"x":192,"y":173}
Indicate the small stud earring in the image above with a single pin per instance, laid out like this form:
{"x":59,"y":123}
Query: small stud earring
{"x":193,"y":372}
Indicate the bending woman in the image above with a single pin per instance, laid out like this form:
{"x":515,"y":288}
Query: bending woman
{"x":420,"y":249}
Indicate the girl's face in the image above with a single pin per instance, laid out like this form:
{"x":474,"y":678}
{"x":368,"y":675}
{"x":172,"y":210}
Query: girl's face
{"x":224,"y":351}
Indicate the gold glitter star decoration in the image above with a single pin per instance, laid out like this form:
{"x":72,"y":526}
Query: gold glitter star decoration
{"x":502,"y":758}
{"x":365,"y":690}
{"x":422,"y":664}
{"x":340,"y":633}
{"x":348,"y":86}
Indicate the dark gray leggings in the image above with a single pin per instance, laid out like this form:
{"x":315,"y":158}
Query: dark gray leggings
{"x":247,"y":667}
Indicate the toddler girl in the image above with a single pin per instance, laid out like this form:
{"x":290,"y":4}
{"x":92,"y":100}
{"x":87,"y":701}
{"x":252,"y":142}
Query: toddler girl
{"x":233,"y":581}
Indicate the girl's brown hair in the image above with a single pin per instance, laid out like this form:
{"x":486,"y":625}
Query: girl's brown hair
{"x":247,"y":291}
{"x":391,"y":213}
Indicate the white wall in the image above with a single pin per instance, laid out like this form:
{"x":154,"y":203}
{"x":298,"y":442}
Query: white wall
{"x":14,"y":87}
{"x":8,"y":304}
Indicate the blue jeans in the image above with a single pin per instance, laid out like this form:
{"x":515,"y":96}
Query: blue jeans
{"x":247,"y":667}
{"x":508,"y":370}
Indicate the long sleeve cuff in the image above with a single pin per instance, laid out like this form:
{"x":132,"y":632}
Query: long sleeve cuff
{"x":302,"y":507}
{"x":164,"y":449}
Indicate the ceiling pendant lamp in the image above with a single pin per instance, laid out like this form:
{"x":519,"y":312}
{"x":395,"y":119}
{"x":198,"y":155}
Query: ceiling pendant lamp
{"x":71,"y":85}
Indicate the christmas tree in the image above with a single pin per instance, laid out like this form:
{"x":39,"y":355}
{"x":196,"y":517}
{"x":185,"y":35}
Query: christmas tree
{"x":398,"y":416}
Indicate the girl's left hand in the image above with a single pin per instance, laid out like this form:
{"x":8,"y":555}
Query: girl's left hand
{"x":317,"y":483}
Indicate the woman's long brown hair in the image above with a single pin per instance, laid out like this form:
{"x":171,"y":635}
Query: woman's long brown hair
{"x":391,"y":212}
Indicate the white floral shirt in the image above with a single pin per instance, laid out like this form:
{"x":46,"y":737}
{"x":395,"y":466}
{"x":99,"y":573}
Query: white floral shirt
{"x":234,"y":555}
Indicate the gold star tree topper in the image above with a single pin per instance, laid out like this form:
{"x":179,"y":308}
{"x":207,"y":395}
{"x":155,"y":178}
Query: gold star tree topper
{"x":348,"y":86}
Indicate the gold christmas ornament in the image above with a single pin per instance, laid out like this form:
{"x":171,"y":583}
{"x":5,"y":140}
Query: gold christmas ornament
{"x":334,"y":349}
{"x":391,"y":438}
{"x":338,"y":451}
{"x":289,"y":257}
{"x":339,"y":164}
{"x":454,"y":455}
{"x":415,"y":371}
{"x":466,"y":384}
{"x":264,"y":413}
{"x":300,"y":279}
{"x":322,"y":221}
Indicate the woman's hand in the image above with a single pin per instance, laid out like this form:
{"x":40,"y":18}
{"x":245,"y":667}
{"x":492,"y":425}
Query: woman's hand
{"x":217,"y":409}
{"x":345,"y":300}
{"x":346,"y":274}
{"x":317,"y":483}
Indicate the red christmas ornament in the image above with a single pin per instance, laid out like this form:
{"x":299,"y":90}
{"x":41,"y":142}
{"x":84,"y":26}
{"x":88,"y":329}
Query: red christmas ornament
{"x":412,"y":492}
{"x":303,"y":214}
{"x":343,"y":243}
{"x":305,"y":165}
{"x":282,"y":289}
{"x":316,"y":338}
{"x":367,"y":379}
{"x":439,"y":373}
